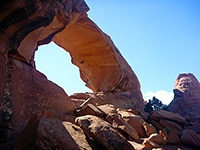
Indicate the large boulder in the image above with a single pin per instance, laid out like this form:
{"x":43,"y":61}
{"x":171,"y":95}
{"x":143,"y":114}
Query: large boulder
{"x":149,"y":129}
{"x":190,"y":138}
{"x":103,"y":132}
{"x":166,"y":115}
{"x":55,"y":134}
{"x":186,"y":100}
{"x":117,"y":122}
{"x":157,"y":138}
{"x":134,"y":120}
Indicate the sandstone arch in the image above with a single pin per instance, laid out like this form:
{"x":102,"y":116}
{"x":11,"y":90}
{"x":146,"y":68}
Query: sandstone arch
{"x":26,"y":24}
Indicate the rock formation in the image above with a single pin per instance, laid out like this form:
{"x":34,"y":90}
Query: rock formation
{"x":186,"y":100}
{"x":27,"y":24}
{"x":35,"y":113}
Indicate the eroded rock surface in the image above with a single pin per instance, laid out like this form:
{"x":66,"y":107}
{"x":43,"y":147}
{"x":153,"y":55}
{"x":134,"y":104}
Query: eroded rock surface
{"x":103,"y":132}
{"x":186,"y":100}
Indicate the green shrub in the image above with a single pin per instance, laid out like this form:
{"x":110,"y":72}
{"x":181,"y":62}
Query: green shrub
{"x":154,"y":104}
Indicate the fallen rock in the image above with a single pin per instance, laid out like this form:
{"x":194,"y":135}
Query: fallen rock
{"x":89,"y":109}
{"x":169,"y":124}
{"x":133,"y":120}
{"x":149,"y":129}
{"x":103,"y":132}
{"x":157,"y":125}
{"x":144,"y":115}
{"x":157,"y":138}
{"x":138,"y":146}
{"x":166,"y":115}
{"x":107,"y":108}
{"x":117,"y":122}
{"x":164,"y":133}
{"x":55,"y":134}
{"x":150,"y":144}
{"x":173,"y":137}
{"x":190,"y":138}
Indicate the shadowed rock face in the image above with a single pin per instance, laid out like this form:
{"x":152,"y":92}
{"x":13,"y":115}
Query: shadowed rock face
{"x":26,"y":24}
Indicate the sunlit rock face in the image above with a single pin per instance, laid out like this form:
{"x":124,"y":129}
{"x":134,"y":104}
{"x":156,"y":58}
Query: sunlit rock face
{"x":186,"y":85}
{"x":186,"y":97}
{"x":26,"y":24}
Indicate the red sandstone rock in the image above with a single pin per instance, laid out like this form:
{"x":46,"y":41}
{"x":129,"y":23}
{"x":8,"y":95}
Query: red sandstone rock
{"x":28,"y":92}
{"x":190,"y":138}
{"x":27,"y":24}
{"x":107,"y":109}
{"x":134,"y":120}
{"x":173,"y":137}
{"x":186,"y":85}
{"x":149,"y":144}
{"x":186,"y":100}
{"x":103,"y":132}
{"x":55,"y":134}
{"x":174,"y":117}
{"x":89,"y":109}
{"x":164,"y":133}
{"x":157,"y":138}
{"x":117,"y":122}
{"x":170,"y":124}
{"x":149,"y":129}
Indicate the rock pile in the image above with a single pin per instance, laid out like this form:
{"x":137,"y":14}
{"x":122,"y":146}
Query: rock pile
{"x":114,"y":129}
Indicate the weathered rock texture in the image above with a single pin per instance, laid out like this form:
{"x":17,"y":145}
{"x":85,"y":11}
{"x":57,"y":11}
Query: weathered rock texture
{"x":26,"y":24}
{"x":186,"y":100}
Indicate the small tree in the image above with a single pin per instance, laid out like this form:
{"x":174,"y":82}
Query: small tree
{"x":154,"y":104}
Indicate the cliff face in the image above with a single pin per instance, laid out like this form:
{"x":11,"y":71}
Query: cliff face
{"x":26,"y":24}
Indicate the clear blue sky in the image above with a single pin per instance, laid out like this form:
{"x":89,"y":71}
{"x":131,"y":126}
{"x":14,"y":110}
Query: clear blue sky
{"x":158,"y":38}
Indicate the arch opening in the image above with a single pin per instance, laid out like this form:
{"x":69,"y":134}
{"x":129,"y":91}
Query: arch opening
{"x":55,"y":63}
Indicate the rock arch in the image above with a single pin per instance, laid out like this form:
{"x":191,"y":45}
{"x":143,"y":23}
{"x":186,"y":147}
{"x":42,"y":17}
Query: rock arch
{"x":26,"y":24}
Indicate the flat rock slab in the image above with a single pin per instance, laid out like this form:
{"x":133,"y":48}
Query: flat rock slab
{"x":55,"y":134}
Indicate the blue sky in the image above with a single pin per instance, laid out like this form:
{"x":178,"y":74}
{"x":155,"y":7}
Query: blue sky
{"x":159,"y":38}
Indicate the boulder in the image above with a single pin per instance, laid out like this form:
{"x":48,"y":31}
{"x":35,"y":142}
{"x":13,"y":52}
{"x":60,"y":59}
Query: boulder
{"x":191,"y":138}
{"x":107,"y":108}
{"x":157,"y":125}
{"x":103,"y":132}
{"x":133,"y":120}
{"x":169,"y":124}
{"x":149,"y":129}
{"x":149,"y":144}
{"x":166,"y":115}
{"x":138,"y":146}
{"x":117,"y":122}
{"x":173,"y":137}
{"x":164,"y":133}
{"x":89,"y":109}
{"x":55,"y":134}
{"x":157,"y":138}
